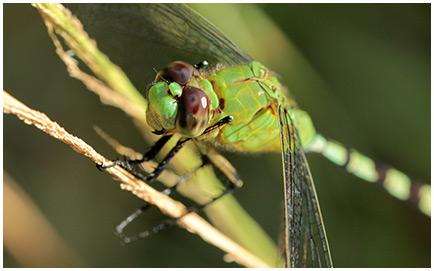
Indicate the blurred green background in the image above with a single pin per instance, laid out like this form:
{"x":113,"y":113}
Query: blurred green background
{"x":361,"y":71}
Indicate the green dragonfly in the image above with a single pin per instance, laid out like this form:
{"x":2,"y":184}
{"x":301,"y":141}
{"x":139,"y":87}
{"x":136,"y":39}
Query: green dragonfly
{"x":233,"y":80}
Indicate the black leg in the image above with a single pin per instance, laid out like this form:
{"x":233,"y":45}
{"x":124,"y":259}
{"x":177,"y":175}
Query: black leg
{"x":212,"y":158}
{"x":126,"y":164}
{"x":129,"y":239}
{"x":194,"y":209}
{"x":119,"y":229}
{"x":163,"y":164}
{"x":220,"y":163}
{"x":149,"y":155}
{"x":219,"y":124}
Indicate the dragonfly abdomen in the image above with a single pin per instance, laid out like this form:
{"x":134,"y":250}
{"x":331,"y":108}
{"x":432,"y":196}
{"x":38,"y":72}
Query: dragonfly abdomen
{"x":393,"y":181}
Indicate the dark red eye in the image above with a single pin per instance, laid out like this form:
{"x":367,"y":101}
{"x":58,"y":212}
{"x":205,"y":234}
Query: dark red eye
{"x":178,"y":71}
{"x":193,"y":112}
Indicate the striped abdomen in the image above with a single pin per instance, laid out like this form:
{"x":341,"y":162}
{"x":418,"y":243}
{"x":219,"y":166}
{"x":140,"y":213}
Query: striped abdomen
{"x":393,"y":181}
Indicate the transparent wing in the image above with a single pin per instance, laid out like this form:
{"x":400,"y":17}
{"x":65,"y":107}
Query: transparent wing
{"x":305,"y":241}
{"x":174,"y":25}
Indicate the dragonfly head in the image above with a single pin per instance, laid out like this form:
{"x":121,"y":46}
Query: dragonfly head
{"x":176,"y":102}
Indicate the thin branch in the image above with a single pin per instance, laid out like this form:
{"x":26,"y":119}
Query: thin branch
{"x":191,"y":222}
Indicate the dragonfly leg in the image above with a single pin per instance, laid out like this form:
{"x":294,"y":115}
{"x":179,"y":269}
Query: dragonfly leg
{"x":157,"y":228}
{"x":235,"y":182}
{"x":164,"y":163}
{"x":149,"y":155}
{"x":128,"y":164}
{"x":211,"y":157}
{"x":119,"y":229}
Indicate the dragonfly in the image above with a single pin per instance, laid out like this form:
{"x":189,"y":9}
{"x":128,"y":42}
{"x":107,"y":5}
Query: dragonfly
{"x":229,"y":81}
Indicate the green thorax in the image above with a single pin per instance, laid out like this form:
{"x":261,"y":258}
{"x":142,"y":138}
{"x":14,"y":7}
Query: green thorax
{"x":249,"y":93}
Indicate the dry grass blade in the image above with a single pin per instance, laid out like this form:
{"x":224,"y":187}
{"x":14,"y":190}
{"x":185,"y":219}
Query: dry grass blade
{"x":192,"y":222}
{"x":117,"y":91}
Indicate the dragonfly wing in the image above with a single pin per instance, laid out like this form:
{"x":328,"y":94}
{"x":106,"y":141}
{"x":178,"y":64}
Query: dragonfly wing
{"x":174,"y":25}
{"x":306,"y":242}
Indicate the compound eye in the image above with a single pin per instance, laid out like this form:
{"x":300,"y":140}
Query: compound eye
{"x":193,"y":112}
{"x":178,"y":71}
